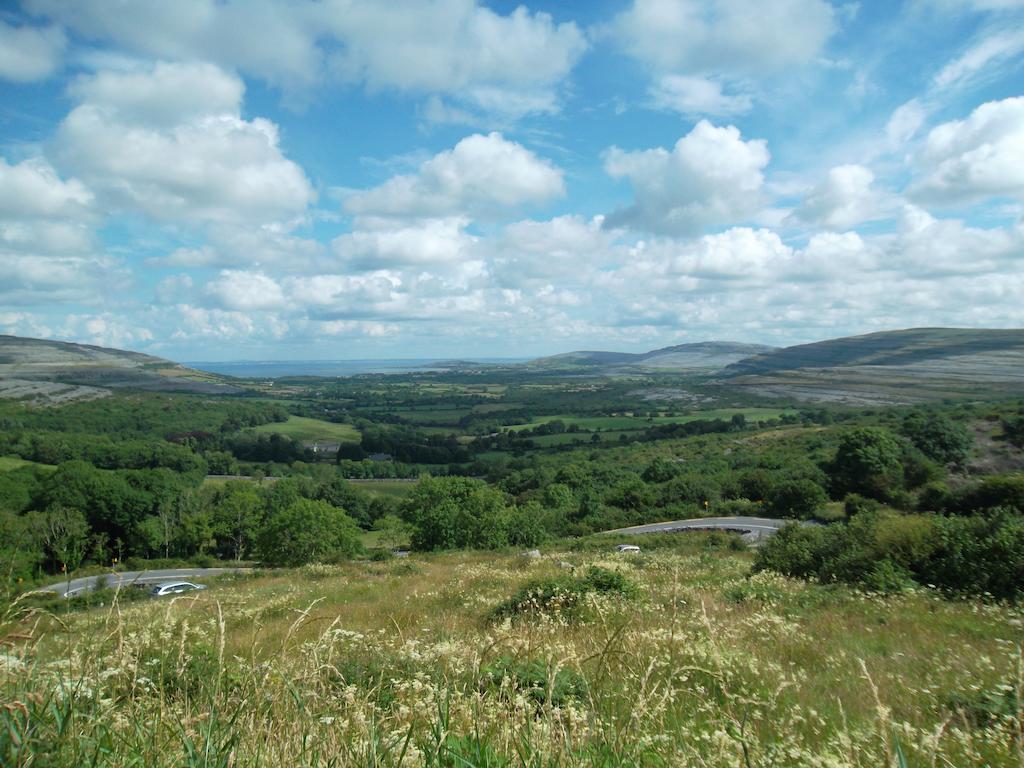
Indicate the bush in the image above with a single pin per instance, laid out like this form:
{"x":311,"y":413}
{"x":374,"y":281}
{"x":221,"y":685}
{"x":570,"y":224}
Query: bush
{"x":796,"y":498}
{"x":938,"y":437}
{"x":533,"y":678}
{"x":869,"y":461}
{"x":563,"y":595}
{"x":308,"y":531}
{"x":885,"y":552}
{"x":855,"y":504}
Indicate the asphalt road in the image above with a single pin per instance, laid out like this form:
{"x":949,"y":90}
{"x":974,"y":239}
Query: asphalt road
{"x":125,"y":578}
{"x":755,"y":527}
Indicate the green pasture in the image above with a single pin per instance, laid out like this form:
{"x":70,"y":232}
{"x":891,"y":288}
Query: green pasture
{"x":306,"y":430}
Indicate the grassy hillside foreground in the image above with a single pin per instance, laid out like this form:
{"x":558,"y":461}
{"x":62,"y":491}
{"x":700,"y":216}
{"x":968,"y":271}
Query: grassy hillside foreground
{"x":400,"y":663}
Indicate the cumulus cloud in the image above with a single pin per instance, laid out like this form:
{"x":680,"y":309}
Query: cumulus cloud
{"x":565,"y":248}
{"x":30,"y":53}
{"x":730,"y":36}
{"x":511,"y":63}
{"x":126,"y":140}
{"x":32,"y":189}
{"x":711,"y":177}
{"x":844,"y":199}
{"x":508,"y":64}
{"x":428,"y":242}
{"x":969,"y":160}
{"x":48,"y":248}
{"x":245,"y":291}
{"x":693,"y":96}
{"x":481,"y":174}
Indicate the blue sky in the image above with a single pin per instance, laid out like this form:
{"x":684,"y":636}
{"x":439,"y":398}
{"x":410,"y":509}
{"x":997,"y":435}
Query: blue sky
{"x":337,"y":179}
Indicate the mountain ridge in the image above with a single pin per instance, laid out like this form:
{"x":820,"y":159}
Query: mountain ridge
{"x":47,"y":369}
{"x":701,"y":354}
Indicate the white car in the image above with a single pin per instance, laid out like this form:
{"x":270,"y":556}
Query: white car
{"x":175,"y":588}
{"x":627,"y":548}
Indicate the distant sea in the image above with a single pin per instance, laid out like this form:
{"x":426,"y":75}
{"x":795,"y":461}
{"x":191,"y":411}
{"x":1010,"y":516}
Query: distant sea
{"x":273,"y":369}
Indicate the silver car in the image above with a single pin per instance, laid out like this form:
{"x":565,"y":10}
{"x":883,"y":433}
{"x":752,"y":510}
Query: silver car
{"x":175,"y":588}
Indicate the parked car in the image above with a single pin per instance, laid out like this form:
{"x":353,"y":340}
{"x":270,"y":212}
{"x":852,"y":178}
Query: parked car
{"x":175,"y":588}
{"x":627,"y":548}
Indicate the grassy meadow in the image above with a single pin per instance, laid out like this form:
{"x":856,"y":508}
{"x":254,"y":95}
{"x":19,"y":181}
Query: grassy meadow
{"x":402,"y":662}
{"x":307,"y":430}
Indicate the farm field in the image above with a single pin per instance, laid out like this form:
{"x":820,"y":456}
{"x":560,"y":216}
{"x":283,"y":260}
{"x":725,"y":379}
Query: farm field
{"x":393,"y":488}
{"x":626,"y":423}
{"x":305,"y":429}
{"x":403,"y":663}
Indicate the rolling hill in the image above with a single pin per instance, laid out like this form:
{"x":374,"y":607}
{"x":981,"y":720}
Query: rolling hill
{"x":58,"y":371}
{"x":706,"y":355}
{"x":905,"y":366}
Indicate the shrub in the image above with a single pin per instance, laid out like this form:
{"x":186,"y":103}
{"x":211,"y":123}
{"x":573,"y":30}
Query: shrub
{"x":884,"y":552}
{"x":308,"y":531}
{"x":869,"y":461}
{"x":937,"y":437}
{"x":854,"y":504}
{"x":564,"y":594}
{"x":534,"y":678}
{"x":796,"y":498}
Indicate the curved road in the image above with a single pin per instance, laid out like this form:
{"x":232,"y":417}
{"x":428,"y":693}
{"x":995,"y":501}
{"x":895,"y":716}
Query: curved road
{"x":127,"y":578}
{"x":754,"y":528}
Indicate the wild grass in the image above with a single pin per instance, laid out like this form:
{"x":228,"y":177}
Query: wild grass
{"x":305,"y":429}
{"x":401,"y":663}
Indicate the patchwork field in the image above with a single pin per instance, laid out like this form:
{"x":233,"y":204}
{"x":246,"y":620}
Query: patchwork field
{"x":308,"y":430}
{"x":626,"y":423}
{"x":678,"y":659}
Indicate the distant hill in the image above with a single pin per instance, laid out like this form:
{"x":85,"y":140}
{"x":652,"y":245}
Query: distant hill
{"x":904,"y":366}
{"x":57,"y":371}
{"x":705,"y":355}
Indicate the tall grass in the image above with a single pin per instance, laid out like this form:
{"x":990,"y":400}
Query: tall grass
{"x":402,"y":664}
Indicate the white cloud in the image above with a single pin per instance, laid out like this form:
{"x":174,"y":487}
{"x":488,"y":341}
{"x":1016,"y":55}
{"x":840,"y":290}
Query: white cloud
{"x":993,"y":49}
{"x":969,"y":160}
{"x":30,"y":53}
{"x":212,"y":165}
{"x":507,"y":63}
{"x":711,"y":177}
{"x":32,"y":189}
{"x":48,"y":249}
{"x":843,"y":200}
{"x":106,"y":330}
{"x":693,"y":96}
{"x":166,"y":94}
{"x":432,"y":242}
{"x":728,"y":36}
{"x":566,"y":248}
{"x":904,"y":123}
{"x":481,"y":174}
{"x":245,"y":291}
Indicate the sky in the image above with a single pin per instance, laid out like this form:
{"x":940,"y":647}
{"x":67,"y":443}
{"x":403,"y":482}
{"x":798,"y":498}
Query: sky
{"x":352,"y":179}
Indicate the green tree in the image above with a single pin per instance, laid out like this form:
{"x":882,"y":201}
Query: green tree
{"x":456,"y":512}
{"x":868,"y":461}
{"x":796,"y":498}
{"x":308,"y":531}
{"x":394,"y":531}
{"x":938,"y":437}
{"x":237,"y":514}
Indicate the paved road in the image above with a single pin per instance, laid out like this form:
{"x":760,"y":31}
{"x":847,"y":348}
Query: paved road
{"x":751,"y":527}
{"x":87,"y":583}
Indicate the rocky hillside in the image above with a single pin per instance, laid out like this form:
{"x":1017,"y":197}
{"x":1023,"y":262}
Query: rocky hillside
{"x":58,"y":371}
